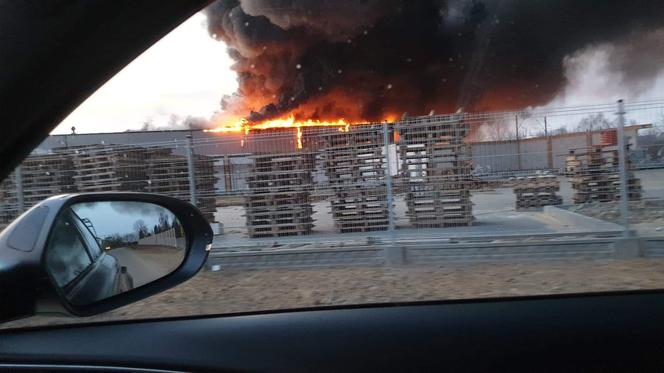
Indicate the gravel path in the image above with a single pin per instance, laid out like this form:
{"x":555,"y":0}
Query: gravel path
{"x":255,"y":290}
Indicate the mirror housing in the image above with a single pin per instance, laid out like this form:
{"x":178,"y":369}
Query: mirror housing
{"x":26,"y":288}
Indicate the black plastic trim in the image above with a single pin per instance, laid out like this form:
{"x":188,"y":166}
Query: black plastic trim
{"x":77,"y":368}
{"x":561,"y":333}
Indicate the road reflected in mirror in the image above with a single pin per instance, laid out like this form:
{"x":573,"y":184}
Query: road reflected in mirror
{"x":100,"y":249}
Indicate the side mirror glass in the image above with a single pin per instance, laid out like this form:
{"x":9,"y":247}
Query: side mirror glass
{"x":96,"y":250}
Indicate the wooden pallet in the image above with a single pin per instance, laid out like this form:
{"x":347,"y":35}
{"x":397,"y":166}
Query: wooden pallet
{"x":354,"y":165}
{"x":168,"y":174}
{"x":595,"y":177}
{"x":538,"y":201}
{"x":278,"y":202}
{"x":437,"y":167}
{"x":534,"y":192}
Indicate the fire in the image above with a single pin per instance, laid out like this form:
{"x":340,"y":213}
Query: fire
{"x":243,"y":125}
{"x":235,"y":126}
{"x":299,"y":137}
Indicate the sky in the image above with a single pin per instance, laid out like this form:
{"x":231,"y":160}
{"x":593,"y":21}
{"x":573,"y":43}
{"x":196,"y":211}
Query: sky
{"x":118,"y":217}
{"x":185,"y":73}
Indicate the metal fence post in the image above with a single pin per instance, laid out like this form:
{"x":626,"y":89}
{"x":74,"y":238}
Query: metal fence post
{"x":18,"y":178}
{"x":393,"y":254}
{"x":388,"y":179}
{"x":191,"y":170}
{"x":622,"y":164}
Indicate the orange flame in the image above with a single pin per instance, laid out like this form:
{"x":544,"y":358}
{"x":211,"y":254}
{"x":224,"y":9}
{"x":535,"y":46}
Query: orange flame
{"x":233,"y":126}
{"x":243,"y":125}
{"x":299,"y":137}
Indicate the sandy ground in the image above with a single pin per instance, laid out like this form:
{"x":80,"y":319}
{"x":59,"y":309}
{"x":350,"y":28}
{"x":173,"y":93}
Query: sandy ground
{"x":255,"y":290}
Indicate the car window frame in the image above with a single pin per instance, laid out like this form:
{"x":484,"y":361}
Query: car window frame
{"x":82,"y":229}
{"x":67,"y":218}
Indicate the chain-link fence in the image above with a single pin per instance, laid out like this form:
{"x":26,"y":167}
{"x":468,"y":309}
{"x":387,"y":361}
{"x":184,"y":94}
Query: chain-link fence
{"x":446,"y":177}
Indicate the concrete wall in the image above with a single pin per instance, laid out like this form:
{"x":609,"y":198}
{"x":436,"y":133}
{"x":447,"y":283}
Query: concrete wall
{"x":494,"y":156}
{"x":165,"y":238}
{"x":561,"y":146}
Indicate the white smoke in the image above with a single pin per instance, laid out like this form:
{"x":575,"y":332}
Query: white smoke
{"x":632,"y":69}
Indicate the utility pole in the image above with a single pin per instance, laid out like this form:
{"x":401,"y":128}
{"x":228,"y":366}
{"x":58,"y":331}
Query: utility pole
{"x":191,"y":171}
{"x":518,"y":142}
{"x":516,"y":126}
{"x":622,"y":164}
{"x":549,"y":145}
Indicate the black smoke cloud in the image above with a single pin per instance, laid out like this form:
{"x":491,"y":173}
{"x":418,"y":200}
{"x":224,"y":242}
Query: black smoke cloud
{"x":364,"y":59}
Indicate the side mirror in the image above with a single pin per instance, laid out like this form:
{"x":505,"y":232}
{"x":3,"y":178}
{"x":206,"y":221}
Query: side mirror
{"x":84,"y":254}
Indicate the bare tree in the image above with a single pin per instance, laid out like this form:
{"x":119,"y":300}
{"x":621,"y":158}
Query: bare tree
{"x":594,"y":122}
{"x":141,"y":229}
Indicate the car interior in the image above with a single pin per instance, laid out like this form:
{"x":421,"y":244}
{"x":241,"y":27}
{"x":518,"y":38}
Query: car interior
{"x":45,"y":74}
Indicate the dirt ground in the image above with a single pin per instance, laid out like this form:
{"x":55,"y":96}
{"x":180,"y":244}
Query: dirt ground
{"x":254,"y":290}
{"x":645,"y":216}
{"x":644,"y":211}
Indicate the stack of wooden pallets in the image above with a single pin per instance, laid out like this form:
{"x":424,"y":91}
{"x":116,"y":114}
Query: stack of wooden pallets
{"x":42,"y":176}
{"x":105,"y":168}
{"x":8,"y":201}
{"x":536,"y":191}
{"x":97,"y":168}
{"x":168,"y":174}
{"x":594,"y":175}
{"x":278,"y":201}
{"x":437,"y":166}
{"x":355,"y":167}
